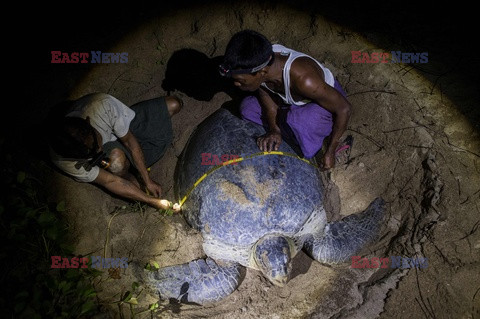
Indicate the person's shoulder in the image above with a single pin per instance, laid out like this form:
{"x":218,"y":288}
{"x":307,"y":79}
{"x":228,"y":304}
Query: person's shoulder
{"x":306,"y":76}
{"x":100,"y":101}
{"x":96,"y":97}
{"x":99,"y":95}
{"x":281,"y":49}
{"x":69,"y":167}
{"x":88,"y":101}
{"x":109,"y":99}
{"x":304,"y":66}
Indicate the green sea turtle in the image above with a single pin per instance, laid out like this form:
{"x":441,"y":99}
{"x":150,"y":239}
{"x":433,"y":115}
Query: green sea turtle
{"x":256,"y":213}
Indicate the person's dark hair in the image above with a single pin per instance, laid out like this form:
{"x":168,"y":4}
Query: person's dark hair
{"x":247,"y":49}
{"x":67,"y":137}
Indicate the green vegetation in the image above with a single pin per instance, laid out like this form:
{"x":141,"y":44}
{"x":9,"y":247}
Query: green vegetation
{"x":32,"y":232}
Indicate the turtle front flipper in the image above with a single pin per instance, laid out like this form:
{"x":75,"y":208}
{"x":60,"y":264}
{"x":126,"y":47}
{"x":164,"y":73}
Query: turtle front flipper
{"x":199,"y":281}
{"x":345,"y":238}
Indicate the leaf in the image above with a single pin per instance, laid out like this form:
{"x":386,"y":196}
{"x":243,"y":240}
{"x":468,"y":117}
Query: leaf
{"x":133,"y":301}
{"x":62,"y":284}
{"x":66,"y":287}
{"x":46,"y":218}
{"x":73,"y":274}
{"x":61,"y":206}
{"x":21,"y":177}
{"x":135,"y":285}
{"x":127,"y":296}
{"x":66,"y":248}
{"x":87,"y":307}
{"x":153,"y":306}
{"x":51,"y":283}
{"x":52,"y":232}
{"x":89,"y":293}
{"x":152,"y":266}
{"x":19,"y":306}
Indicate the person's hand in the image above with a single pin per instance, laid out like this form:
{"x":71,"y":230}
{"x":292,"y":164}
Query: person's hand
{"x":165,"y":204}
{"x":328,"y":161}
{"x":153,"y":188}
{"x":176,"y":207}
{"x":270,"y":141}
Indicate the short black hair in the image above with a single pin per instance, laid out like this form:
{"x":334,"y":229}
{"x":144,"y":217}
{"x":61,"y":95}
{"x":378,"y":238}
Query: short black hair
{"x":247,"y":49}
{"x":68,"y":137}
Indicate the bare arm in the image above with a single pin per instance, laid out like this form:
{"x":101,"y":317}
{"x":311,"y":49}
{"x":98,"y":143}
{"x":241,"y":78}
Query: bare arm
{"x":131,"y":143}
{"x":273,"y":138}
{"x":307,"y":81}
{"x":127,"y":189}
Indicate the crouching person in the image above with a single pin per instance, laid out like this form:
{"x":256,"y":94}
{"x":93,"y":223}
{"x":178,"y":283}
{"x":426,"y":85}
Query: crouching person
{"x":98,"y":139}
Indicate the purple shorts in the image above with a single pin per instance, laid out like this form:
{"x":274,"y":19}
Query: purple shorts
{"x":306,"y":125}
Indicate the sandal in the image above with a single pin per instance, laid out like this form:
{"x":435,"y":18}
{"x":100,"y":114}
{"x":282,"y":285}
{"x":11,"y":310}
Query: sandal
{"x":342,"y":154}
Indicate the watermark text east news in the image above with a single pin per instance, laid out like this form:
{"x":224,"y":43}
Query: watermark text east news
{"x":384,"y":57}
{"x":82,"y":262}
{"x":214,"y":159}
{"x":394,"y":262}
{"x":86,"y":57}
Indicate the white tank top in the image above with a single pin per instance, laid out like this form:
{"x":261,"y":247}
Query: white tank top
{"x":292,"y":55}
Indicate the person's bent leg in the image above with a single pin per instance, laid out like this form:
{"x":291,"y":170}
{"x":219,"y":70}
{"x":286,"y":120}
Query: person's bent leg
{"x":120,"y":165}
{"x":310,"y":124}
{"x":152,"y":126}
{"x":251,"y":110}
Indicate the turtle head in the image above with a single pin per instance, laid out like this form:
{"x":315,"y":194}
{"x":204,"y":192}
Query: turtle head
{"x":272,"y":255}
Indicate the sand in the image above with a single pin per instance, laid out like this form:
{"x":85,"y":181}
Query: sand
{"x":413,"y":145}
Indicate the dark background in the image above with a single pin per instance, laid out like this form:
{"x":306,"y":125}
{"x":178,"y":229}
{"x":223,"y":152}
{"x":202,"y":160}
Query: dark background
{"x":31,"y":32}
{"x":447,"y":33}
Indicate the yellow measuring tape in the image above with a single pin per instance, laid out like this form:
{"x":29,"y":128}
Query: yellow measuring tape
{"x":236,"y":160}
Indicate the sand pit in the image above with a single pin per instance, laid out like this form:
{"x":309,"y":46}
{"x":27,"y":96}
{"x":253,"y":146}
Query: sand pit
{"x":412,"y":146}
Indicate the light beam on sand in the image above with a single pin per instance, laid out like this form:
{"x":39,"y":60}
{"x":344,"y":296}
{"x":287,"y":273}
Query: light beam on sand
{"x":380,"y":93}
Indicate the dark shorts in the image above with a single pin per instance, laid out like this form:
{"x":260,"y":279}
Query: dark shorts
{"x":152,"y":127}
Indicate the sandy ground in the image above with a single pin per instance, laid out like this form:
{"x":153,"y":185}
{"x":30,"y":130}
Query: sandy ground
{"x":413,"y":146}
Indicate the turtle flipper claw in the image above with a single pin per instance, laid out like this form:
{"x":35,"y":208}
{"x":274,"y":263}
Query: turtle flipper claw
{"x":200,"y":281}
{"x":345,"y":238}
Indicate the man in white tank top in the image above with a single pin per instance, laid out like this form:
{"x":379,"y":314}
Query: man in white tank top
{"x":295,"y":97}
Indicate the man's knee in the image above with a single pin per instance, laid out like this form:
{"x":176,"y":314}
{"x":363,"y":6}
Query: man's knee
{"x":119,"y":163}
{"x":174,"y":104}
{"x":250,"y":107}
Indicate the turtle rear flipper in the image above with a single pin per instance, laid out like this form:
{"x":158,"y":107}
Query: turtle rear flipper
{"x":347,"y":237}
{"x":200,"y":281}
